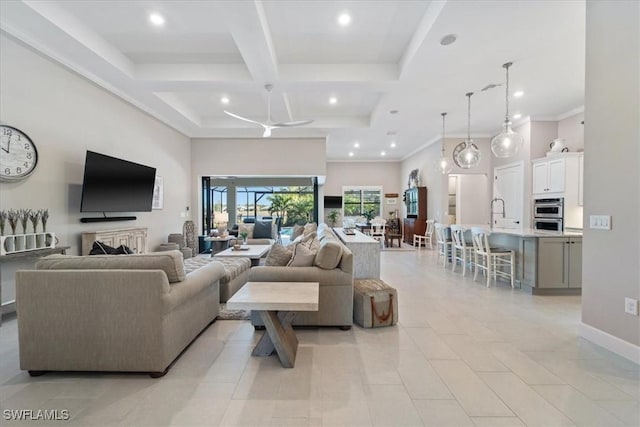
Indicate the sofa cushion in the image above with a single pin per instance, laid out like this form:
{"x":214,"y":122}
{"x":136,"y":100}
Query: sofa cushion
{"x":233,"y":267}
{"x":309,"y":228}
{"x":302,"y":256}
{"x":279,"y":255}
{"x":262,"y":230}
{"x":170,"y":262}
{"x":329,"y":254}
{"x":246,"y":228}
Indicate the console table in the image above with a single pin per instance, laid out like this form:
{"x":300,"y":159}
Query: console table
{"x":366,"y":253}
{"x":9,"y":306}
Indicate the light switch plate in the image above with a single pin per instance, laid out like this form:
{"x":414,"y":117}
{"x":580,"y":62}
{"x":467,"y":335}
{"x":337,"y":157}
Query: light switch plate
{"x":600,"y":222}
{"x":631,"y":306}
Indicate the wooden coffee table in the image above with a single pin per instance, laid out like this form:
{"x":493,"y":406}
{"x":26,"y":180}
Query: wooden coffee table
{"x":255,"y":252}
{"x":276,"y":303}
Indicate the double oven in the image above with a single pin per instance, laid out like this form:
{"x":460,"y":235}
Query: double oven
{"x":548,"y":214}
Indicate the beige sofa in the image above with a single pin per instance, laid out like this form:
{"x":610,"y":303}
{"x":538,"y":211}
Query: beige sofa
{"x":336,"y":285}
{"x":133,"y":313}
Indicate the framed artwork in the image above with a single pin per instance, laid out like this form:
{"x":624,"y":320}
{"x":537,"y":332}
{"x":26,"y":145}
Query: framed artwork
{"x":158,"y":194}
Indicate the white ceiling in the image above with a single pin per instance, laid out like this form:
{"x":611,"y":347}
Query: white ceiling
{"x":388,"y":58}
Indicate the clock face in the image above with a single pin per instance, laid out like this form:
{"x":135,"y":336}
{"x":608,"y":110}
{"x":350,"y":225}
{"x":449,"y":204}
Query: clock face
{"x":457,"y":151}
{"x":18,"y":154}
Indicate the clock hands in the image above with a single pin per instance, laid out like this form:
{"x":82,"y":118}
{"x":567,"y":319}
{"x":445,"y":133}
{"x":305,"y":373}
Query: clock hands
{"x":6,"y":150}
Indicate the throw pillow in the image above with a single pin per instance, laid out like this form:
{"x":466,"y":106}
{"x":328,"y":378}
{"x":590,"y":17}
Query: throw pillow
{"x":302,"y":256}
{"x":123,"y":250}
{"x":313,"y":244}
{"x":309,"y":228}
{"x":279,"y":255}
{"x":246,"y":228}
{"x":297,"y":231}
{"x":100,"y":248}
{"x":262,"y":230}
{"x":329,"y":254}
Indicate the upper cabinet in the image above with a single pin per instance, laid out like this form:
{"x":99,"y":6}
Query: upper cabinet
{"x":549,"y":175}
{"x":556,"y":175}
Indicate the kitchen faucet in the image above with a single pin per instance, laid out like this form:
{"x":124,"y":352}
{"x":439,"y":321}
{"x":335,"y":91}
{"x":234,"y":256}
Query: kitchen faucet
{"x":504,"y":215}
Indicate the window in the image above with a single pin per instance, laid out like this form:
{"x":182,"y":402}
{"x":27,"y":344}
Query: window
{"x":358,"y":200}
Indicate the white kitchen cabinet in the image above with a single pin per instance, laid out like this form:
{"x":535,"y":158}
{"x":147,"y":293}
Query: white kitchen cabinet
{"x":550,"y":175}
{"x":581,"y":180}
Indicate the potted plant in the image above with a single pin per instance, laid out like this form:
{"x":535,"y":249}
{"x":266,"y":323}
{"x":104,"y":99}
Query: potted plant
{"x":333,"y":217}
{"x":370,"y":214}
{"x":243,"y":235}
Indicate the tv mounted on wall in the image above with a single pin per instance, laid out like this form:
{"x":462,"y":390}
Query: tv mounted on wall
{"x":115,"y":185}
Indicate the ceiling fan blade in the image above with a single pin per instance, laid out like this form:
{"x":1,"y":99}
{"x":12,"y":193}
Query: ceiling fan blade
{"x":242,"y":118}
{"x":289,"y":124}
{"x":267,"y":131}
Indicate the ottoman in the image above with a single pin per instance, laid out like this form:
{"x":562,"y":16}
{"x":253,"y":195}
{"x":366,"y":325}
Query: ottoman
{"x":375,"y":303}
{"x":236,"y":272}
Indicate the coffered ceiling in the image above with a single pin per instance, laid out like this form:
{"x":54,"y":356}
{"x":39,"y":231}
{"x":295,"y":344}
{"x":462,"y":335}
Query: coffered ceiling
{"x":388,"y":58}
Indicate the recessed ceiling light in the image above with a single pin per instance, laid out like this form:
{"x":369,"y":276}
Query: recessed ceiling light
{"x":224,"y":100}
{"x":518,"y":93}
{"x":344,"y":19}
{"x":333,"y":100}
{"x":350,"y":153}
{"x":356,"y":144}
{"x":448,"y":39}
{"x":393,"y":145}
{"x":383,"y":153}
{"x":517,"y":116}
{"x":156,"y":19}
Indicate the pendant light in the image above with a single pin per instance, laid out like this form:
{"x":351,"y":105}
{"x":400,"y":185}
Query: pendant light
{"x":444,"y":163}
{"x":468,"y":157}
{"x":507,"y":143}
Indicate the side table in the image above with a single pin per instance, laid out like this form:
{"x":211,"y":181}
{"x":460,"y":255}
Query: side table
{"x":9,"y":306}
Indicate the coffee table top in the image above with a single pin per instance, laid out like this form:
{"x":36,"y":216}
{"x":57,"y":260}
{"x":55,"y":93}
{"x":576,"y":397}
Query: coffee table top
{"x":253,"y":251}
{"x":277,"y":296}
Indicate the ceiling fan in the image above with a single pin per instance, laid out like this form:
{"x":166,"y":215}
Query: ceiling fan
{"x":269,"y":124}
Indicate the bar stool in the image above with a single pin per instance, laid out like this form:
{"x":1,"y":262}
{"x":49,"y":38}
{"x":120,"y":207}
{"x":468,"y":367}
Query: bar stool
{"x":443,"y":244}
{"x":492,"y":260}
{"x":460,"y":251}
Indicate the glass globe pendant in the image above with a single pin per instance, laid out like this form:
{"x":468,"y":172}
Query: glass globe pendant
{"x":443,"y":164}
{"x":507,"y":143}
{"x":469,"y":156}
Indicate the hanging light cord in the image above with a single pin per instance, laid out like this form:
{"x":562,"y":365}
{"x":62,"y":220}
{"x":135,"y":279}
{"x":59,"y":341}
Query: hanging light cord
{"x":469,"y":119}
{"x":506,"y":67}
{"x":443,"y":116}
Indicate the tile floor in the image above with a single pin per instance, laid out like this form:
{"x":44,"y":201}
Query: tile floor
{"x":462,"y":355}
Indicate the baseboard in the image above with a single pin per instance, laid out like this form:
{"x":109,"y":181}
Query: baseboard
{"x":610,"y":342}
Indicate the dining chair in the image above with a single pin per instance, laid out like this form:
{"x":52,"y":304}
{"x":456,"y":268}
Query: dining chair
{"x":460,"y":251}
{"x":443,"y":244}
{"x":427,"y":237}
{"x":492,"y":261}
{"x":378,"y":229}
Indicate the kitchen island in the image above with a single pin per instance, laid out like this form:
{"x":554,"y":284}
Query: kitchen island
{"x":547,"y":262}
{"x":366,"y":253}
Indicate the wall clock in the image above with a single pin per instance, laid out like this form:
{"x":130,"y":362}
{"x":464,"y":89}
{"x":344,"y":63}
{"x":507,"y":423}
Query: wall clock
{"x":18,"y":154}
{"x":457,"y":151}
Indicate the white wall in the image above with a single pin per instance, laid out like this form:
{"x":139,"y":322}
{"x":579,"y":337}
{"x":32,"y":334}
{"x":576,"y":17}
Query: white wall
{"x":384,"y":174}
{"x":612,"y":180}
{"x":473,"y":194}
{"x":265,"y":157}
{"x":65,"y":115}
{"x":571,"y":130}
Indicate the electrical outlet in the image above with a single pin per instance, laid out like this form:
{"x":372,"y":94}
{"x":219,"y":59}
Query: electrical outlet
{"x":631,"y":306}
{"x":600,"y":222}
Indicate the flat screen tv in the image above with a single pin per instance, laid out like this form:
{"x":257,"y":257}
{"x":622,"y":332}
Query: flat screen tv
{"x":115,"y":185}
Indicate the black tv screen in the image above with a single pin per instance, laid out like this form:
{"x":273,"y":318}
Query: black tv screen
{"x":115,"y":185}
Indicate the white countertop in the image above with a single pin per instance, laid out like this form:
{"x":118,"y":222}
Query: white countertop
{"x":528,"y":232}
{"x":359,"y":237}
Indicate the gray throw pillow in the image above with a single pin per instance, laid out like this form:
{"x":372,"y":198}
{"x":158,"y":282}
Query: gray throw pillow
{"x":262,"y":230}
{"x":279,"y":255}
{"x":297,"y":231}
